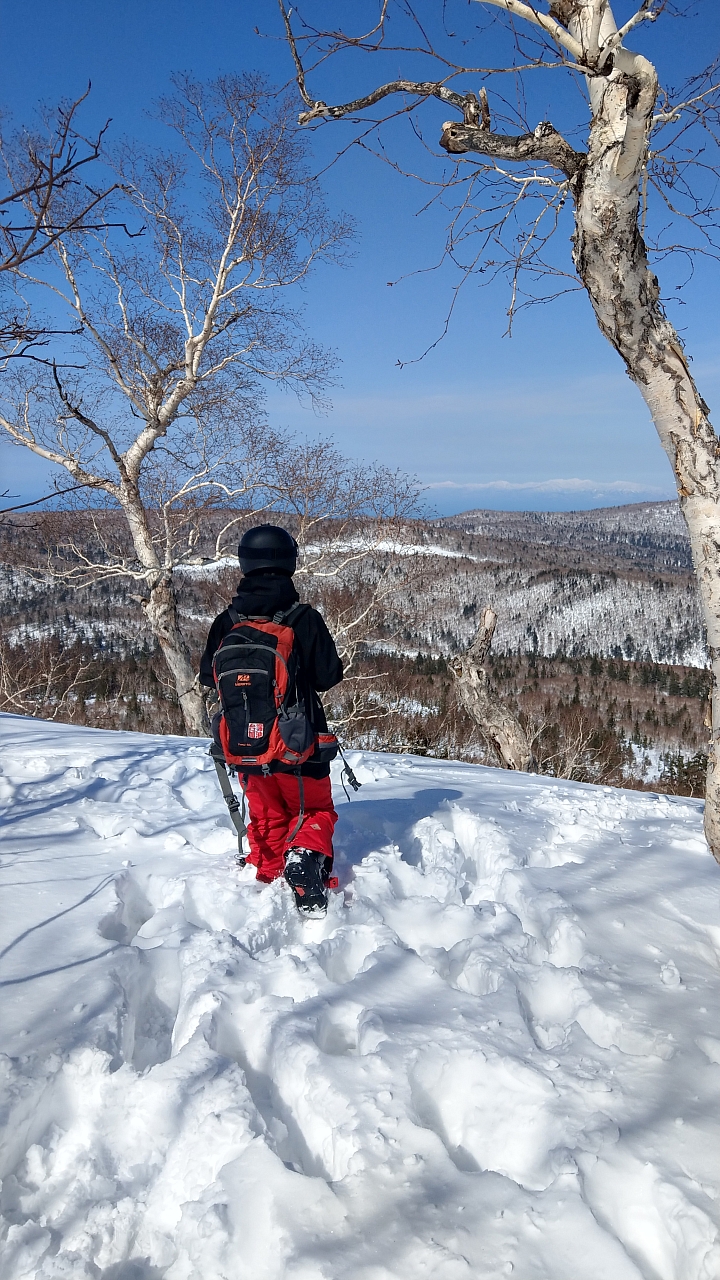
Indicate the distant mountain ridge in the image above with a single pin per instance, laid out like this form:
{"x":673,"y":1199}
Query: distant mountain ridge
{"x":615,"y":581}
{"x":662,"y":514}
{"x":648,"y":534}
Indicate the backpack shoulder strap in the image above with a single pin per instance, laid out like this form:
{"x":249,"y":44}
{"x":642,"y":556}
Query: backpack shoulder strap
{"x":235,"y":617}
{"x":291,"y":615}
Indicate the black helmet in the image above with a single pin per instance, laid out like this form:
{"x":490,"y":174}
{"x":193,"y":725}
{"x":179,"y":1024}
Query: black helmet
{"x":267,"y":547}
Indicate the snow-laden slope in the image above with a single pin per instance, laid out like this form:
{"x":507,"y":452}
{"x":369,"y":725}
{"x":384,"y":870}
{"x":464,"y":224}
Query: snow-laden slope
{"x":498,"y":1055}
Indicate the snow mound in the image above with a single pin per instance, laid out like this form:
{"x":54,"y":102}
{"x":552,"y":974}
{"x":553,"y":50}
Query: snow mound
{"x":498,"y":1054}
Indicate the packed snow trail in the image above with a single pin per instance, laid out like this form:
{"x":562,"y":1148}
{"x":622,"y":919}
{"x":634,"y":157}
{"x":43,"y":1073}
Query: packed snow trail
{"x":498,"y":1055}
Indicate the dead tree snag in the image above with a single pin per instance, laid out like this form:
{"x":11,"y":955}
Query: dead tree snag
{"x":497,"y":723}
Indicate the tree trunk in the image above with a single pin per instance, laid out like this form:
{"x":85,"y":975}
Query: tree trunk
{"x":162,"y":615}
{"x":497,"y":723}
{"x":611,"y":259}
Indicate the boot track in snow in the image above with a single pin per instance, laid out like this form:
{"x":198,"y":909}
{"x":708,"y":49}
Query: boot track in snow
{"x":497,"y":1054}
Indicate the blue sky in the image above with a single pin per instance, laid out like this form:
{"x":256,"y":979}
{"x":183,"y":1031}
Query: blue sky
{"x":546,"y":419}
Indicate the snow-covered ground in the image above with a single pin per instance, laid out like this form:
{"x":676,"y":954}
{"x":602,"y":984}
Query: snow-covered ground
{"x":498,"y":1055}
{"x":338,"y":546}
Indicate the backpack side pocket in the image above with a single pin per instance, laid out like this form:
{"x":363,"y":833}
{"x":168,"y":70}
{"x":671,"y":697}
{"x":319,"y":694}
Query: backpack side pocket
{"x":327,"y":747}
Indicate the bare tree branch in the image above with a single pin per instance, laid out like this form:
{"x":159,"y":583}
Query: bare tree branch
{"x":38,"y":171}
{"x":57,"y":493}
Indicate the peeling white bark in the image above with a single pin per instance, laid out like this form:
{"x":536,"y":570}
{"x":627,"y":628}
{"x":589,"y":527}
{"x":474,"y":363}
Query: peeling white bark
{"x":611,"y":260}
{"x":161,"y":612}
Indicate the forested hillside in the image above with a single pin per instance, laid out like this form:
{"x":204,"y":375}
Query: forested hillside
{"x":599,"y":640}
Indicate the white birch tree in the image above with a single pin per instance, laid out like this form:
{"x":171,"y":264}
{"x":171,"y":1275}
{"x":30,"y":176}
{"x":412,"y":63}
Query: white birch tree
{"x":636,"y":143}
{"x":151,"y":405}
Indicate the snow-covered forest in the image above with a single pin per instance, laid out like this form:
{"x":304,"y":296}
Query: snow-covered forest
{"x":626,"y":588}
{"x":615,"y":583}
{"x":611,"y":586}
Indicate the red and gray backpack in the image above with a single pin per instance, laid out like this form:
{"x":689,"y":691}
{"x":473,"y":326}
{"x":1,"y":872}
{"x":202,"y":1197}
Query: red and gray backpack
{"x":258,"y":676}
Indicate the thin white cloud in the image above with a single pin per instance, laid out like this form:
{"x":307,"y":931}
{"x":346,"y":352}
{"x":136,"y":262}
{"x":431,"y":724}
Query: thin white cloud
{"x":600,"y":394}
{"x":550,"y":486}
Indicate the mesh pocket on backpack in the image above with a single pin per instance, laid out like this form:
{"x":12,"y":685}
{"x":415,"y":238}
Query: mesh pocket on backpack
{"x":296,"y":730}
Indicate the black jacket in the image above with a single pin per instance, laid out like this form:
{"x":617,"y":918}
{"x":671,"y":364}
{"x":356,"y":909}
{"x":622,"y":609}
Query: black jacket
{"x":263,"y":594}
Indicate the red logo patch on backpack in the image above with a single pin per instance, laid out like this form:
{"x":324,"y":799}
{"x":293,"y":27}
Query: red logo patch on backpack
{"x":256,"y":730}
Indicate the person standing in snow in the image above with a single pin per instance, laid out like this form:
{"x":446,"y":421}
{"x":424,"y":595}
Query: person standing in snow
{"x":292,"y":817}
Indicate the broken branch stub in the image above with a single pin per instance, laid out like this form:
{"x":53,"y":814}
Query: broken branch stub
{"x":498,"y":725}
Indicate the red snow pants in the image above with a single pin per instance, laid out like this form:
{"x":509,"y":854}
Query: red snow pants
{"x":274,"y":806}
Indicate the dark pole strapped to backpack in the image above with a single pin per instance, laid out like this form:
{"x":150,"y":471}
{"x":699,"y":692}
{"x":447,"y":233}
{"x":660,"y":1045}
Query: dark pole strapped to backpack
{"x":236,"y":808}
{"x":301,"y":814}
{"x":347,"y":772}
{"x":237,"y":813}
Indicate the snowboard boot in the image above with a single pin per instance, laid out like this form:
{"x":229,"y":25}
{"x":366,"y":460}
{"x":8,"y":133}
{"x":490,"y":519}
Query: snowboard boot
{"x":304,"y":872}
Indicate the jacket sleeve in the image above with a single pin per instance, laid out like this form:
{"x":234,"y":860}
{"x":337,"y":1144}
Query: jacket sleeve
{"x":323,"y":667}
{"x":219,"y":628}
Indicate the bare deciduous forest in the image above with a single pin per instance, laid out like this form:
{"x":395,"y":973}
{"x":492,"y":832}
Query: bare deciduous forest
{"x":608,"y":678}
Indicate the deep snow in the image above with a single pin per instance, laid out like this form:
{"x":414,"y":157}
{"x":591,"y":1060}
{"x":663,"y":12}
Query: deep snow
{"x":498,"y":1055}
